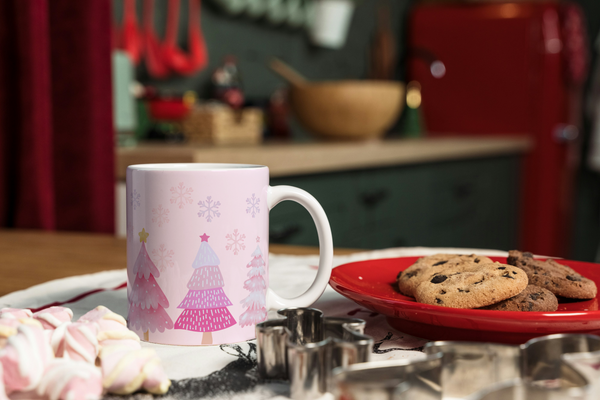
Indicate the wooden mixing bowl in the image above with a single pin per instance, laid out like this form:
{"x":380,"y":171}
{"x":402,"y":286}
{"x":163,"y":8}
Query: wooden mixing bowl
{"x":350,"y":109}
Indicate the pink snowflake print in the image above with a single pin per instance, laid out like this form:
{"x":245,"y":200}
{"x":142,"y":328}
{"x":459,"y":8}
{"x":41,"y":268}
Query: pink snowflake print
{"x":135,"y":199}
{"x":209,"y":209}
{"x":235,"y":242}
{"x":181,"y":195}
{"x":163,"y":257}
{"x":253,"y":205}
{"x":160,"y":215}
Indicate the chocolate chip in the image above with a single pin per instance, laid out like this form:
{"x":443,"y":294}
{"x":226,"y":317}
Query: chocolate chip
{"x":527,"y":254}
{"x":514,"y":272}
{"x":411,"y":274}
{"x":442,"y":291}
{"x":507,"y":275}
{"x":573,"y":278}
{"x":439,"y":263}
{"x":439,"y":279}
{"x":476,"y":283}
{"x":399,"y":274}
{"x":439,"y":301}
{"x":534,"y":296}
{"x":501,"y":267}
{"x":529,"y":306}
{"x":477,"y":260}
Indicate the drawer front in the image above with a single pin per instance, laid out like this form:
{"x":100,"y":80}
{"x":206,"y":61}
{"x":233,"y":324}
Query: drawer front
{"x":474,"y":203}
{"x":391,"y":204}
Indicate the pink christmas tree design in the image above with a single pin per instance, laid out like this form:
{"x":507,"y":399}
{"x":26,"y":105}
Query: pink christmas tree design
{"x":205,"y":305}
{"x":256,"y":310}
{"x":147,"y":302}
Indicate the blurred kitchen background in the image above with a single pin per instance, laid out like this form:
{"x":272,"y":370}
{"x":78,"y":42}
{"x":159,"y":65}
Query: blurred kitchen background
{"x":414,"y":123}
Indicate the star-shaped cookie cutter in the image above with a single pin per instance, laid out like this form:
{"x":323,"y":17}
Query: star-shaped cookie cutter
{"x":546,"y":368}
{"x":305,"y":347}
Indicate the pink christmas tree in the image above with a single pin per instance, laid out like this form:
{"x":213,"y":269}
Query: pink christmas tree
{"x":205,"y":305}
{"x":255,"y":302}
{"x":147,"y":302}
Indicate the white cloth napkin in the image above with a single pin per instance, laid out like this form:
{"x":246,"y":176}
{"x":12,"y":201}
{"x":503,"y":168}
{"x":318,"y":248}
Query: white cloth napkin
{"x":287,"y":274}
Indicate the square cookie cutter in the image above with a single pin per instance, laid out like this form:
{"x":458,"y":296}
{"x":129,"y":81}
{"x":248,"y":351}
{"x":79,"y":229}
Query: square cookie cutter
{"x":305,"y":347}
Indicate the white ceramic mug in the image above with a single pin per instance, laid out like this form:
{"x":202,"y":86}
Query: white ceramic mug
{"x":197,"y":251}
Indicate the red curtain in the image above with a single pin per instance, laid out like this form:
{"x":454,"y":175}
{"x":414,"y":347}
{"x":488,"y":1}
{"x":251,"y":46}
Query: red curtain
{"x":56,"y":130}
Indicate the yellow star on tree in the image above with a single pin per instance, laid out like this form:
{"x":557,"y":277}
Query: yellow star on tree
{"x":143,"y":235}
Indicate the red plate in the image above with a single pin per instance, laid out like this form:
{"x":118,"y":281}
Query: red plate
{"x":372,"y":285}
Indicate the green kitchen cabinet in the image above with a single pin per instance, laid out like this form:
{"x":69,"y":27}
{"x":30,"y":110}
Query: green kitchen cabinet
{"x":466,"y":203}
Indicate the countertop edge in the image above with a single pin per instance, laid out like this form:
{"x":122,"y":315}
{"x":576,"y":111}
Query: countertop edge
{"x":287,"y":159}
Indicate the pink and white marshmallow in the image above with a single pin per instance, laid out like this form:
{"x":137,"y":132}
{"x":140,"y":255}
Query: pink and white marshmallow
{"x":24,"y":358}
{"x":126,"y":371}
{"x":105,"y":318}
{"x":112,"y":328}
{"x":8,"y":327}
{"x":15,"y":313}
{"x":126,"y":338}
{"x":76,"y":341}
{"x":53,"y":317}
{"x":70,"y":380}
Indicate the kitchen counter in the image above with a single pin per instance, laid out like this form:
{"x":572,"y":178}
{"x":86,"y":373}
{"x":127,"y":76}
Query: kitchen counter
{"x":382,"y":193}
{"x":289,"y":159}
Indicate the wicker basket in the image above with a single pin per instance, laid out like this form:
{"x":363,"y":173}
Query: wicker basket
{"x":220,"y":125}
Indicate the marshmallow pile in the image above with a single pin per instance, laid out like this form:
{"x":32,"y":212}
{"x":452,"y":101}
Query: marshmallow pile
{"x":45,"y":355}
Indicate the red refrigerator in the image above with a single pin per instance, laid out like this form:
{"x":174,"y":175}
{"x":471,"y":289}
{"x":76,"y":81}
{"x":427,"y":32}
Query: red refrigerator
{"x":509,"y":68}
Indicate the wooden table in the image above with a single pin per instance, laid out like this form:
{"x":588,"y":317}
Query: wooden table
{"x":29,"y":258}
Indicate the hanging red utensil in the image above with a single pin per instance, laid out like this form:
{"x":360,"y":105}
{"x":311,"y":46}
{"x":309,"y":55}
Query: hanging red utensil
{"x":131,"y":40}
{"x":196,"y":38}
{"x":176,"y":59}
{"x":155,"y":63}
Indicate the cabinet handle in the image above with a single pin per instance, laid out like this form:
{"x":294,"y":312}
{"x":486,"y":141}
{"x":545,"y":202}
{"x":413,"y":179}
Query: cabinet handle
{"x":284,"y":233}
{"x":371,"y":200}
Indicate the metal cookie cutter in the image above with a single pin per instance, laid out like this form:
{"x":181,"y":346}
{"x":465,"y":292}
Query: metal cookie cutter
{"x":305,"y":347}
{"x":547,"y":368}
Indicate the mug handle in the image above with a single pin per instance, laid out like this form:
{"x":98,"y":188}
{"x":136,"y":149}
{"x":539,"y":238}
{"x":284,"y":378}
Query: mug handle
{"x":277,"y":194}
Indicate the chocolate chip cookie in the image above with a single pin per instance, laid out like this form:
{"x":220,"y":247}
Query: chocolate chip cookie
{"x":410,"y":278}
{"x":533,"y":298}
{"x":478,"y":286}
{"x":557,"y":278}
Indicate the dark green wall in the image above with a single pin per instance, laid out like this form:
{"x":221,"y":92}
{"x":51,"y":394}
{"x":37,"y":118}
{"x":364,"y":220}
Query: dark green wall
{"x":254,"y":42}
